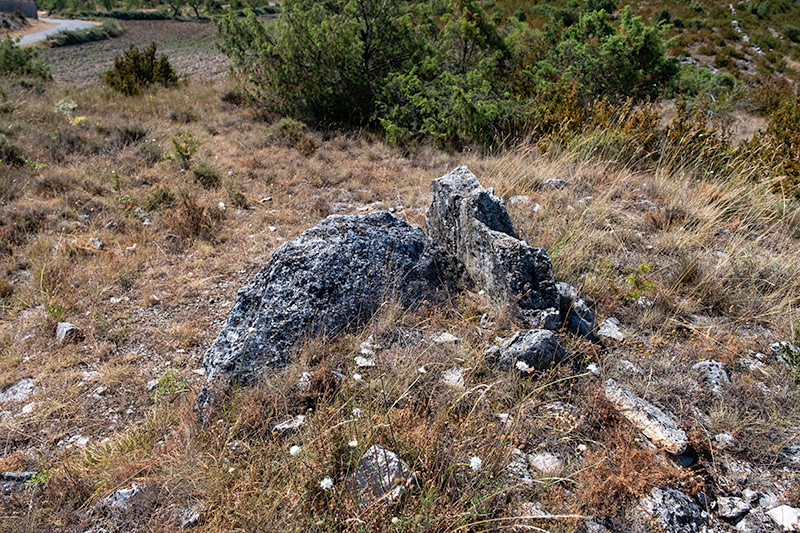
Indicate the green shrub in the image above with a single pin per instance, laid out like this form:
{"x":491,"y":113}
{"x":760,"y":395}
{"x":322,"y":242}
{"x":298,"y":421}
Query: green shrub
{"x":160,"y":198}
{"x":235,"y":195}
{"x":448,"y":72}
{"x":206,"y":175}
{"x":19,"y":62}
{"x":792,"y":32}
{"x":784,"y":130}
{"x":137,"y":70}
{"x":9,"y":153}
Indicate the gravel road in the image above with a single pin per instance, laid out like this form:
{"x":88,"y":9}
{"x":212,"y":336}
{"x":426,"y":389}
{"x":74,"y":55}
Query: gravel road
{"x":60,"y":25}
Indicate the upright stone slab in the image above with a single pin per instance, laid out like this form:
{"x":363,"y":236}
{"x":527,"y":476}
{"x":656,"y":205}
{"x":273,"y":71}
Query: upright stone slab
{"x":333,"y":276}
{"x":473,"y":224}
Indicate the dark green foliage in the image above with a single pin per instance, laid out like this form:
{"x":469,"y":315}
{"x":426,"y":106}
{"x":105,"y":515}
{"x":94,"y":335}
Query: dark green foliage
{"x":9,"y":153}
{"x":107,"y":30}
{"x":137,"y":70}
{"x":159,"y":198}
{"x":19,"y":62}
{"x":791,"y":31}
{"x":206,"y":175}
{"x":450,"y":72}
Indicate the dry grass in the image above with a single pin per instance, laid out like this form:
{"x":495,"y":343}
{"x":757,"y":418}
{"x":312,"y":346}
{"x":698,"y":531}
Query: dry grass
{"x":153,"y":297}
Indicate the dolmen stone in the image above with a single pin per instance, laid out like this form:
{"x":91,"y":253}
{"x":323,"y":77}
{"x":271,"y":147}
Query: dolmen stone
{"x":334,"y":276}
{"x":472,"y":223}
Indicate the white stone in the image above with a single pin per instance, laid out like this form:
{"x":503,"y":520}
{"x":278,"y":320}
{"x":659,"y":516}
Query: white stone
{"x":454,"y":377}
{"x":546,"y":463}
{"x":610,"y":329}
{"x":786,"y":517}
{"x":291,"y":424}
{"x":19,"y":391}
{"x":446,"y":339}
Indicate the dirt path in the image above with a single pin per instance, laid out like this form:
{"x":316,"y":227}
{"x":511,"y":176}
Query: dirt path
{"x":57,"y":25}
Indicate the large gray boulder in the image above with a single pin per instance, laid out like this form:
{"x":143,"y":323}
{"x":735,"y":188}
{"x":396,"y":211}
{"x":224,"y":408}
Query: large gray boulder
{"x":473,"y":224}
{"x":333,"y":276}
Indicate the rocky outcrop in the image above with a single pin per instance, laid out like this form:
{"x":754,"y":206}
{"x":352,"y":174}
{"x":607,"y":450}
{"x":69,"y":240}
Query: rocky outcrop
{"x":333,"y":276}
{"x":473,"y":224}
{"x":536,"y":349}
{"x":655,"y":424}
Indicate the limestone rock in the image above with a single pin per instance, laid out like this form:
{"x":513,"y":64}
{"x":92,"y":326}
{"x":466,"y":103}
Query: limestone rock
{"x":333,"y":276}
{"x":786,"y":351}
{"x":786,"y":517}
{"x":536,"y":349}
{"x":610,"y":330}
{"x":673,"y":511}
{"x":575,"y":311}
{"x":714,"y":373}
{"x":731,"y":507}
{"x":66,"y":332}
{"x":10,"y":481}
{"x":380,"y":473}
{"x":19,"y":391}
{"x":658,"y":426}
{"x":473,"y":224}
{"x":290,"y":425}
{"x":546,"y":463}
{"x":446,"y":339}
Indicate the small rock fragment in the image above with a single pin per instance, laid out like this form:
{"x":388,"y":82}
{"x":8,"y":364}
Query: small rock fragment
{"x":66,"y":332}
{"x":519,"y":199}
{"x":714,"y":373}
{"x":290,"y":425}
{"x":380,"y":474}
{"x":453,"y":377}
{"x":97,"y":243}
{"x":446,"y":339}
{"x":731,"y":507}
{"x":19,"y":391}
{"x":546,"y":463}
{"x":575,"y":312}
{"x":537,"y":349}
{"x":610,"y":330}
{"x":724,"y":440}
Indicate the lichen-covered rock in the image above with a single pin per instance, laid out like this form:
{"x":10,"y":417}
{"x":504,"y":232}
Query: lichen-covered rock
{"x":575,"y":312}
{"x":473,"y":224}
{"x":610,"y":330}
{"x":731,"y":507}
{"x":714,"y":373}
{"x":658,"y":426}
{"x":673,"y":511}
{"x":380,"y":474}
{"x":333,"y":276}
{"x":536,"y":349}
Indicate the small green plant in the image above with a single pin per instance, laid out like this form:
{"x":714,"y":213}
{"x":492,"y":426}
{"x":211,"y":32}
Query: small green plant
{"x":168,"y":384}
{"x":136,"y":70}
{"x":160,"y":198}
{"x":185,"y":147}
{"x":10,"y":154}
{"x":206,"y":175}
{"x":637,"y":281}
{"x":39,"y":479}
{"x":236,"y":196}
{"x":55,"y":310}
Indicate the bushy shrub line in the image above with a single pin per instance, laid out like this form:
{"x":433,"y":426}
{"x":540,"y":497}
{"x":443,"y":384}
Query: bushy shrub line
{"x":107,"y":30}
{"x":449,"y":72}
{"x":16,"y":62}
